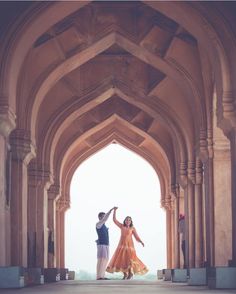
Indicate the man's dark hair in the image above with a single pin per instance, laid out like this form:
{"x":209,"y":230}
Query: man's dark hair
{"x":101,"y":214}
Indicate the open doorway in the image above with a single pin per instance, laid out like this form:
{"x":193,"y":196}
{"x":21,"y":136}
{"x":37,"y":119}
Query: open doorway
{"x":115,"y":176}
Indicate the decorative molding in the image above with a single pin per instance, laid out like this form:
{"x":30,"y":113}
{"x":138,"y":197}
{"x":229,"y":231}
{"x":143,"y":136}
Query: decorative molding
{"x":21,"y":146}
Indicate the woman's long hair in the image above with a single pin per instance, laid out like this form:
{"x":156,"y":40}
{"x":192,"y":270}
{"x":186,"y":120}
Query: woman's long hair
{"x":131,"y":224}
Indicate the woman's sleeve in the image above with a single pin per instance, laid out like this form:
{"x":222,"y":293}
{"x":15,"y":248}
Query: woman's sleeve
{"x":136,"y":236}
{"x":115,"y":220}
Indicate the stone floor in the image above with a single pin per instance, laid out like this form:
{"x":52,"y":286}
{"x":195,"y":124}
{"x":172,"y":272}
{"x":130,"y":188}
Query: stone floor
{"x":115,"y":287}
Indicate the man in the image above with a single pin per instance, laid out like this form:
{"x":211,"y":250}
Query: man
{"x":102,"y":244}
{"x":182,"y":236}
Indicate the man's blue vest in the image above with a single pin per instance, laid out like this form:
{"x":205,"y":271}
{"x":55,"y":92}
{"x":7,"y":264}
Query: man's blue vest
{"x":103,"y":236}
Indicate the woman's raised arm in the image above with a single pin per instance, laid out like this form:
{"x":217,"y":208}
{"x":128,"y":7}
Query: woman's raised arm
{"x":114,"y":218}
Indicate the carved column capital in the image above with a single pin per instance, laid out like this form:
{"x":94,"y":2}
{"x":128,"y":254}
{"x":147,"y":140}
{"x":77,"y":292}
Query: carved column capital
{"x":39,"y":176}
{"x":21,"y":146}
{"x":7,"y":120}
{"x":191,"y":171}
{"x":210,"y":143}
{"x":54,"y":192}
{"x":167,"y":203}
{"x":203,"y":146}
{"x":62,"y":204}
{"x":183,"y":180}
{"x":199,"y":171}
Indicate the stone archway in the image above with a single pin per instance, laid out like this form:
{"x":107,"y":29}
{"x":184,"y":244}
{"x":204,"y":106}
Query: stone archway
{"x":143,"y":73}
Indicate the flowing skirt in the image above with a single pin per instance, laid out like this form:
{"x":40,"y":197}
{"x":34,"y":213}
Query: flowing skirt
{"x":125,"y":260}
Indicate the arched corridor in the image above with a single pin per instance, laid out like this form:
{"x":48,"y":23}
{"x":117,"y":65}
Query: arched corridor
{"x":156,"y":77}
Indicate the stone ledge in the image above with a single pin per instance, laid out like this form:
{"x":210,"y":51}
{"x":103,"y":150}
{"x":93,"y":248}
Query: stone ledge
{"x":221,"y":277}
{"x":179,"y":275}
{"x":51,"y":275}
{"x":64,"y":273}
{"x":71,"y":275}
{"x":167,"y":274}
{"x":197,"y":277}
{"x":34,"y":276}
{"x":160,"y":274}
{"x":12,"y":277}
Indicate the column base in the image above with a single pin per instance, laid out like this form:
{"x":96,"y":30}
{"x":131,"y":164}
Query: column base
{"x":71,"y":275}
{"x":167,"y":274}
{"x":51,"y":275}
{"x":179,"y":275}
{"x":34,"y":276}
{"x":64,"y":273}
{"x":12,"y":277}
{"x":197,"y":277}
{"x":160,"y":274}
{"x":221,"y":277}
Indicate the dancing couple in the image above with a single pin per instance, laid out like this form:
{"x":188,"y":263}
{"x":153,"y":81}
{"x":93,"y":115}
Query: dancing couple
{"x":124,"y":258}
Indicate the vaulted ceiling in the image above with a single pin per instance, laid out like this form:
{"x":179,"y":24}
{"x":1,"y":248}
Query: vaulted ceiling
{"x":114,"y":72}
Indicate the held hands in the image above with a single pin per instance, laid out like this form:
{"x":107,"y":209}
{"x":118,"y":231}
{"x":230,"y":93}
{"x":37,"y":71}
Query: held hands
{"x":113,"y":208}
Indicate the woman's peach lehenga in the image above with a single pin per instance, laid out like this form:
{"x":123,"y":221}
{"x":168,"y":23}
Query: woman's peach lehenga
{"x":125,"y":259}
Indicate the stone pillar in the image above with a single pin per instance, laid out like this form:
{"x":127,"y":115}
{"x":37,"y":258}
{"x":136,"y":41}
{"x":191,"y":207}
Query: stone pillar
{"x":191,"y":214}
{"x":22,"y":153}
{"x":232,"y":137}
{"x":62,"y":205}
{"x":173,"y":231}
{"x":183,"y":204}
{"x":40,"y":181}
{"x":7,"y":123}
{"x":176,"y":224}
{"x":32,"y":212}
{"x":53,"y":194}
{"x":168,"y":238}
{"x":198,"y":216}
{"x":209,"y":212}
{"x":222,"y":201}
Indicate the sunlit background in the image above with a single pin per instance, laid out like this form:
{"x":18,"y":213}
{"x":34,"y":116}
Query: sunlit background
{"x":114,"y":176}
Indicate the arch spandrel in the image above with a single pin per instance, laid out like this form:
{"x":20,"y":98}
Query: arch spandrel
{"x":214,"y":34}
{"x":22,"y":35}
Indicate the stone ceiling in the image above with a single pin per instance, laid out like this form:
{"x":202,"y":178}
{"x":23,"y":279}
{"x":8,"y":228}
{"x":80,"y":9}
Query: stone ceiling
{"x":120,"y":68}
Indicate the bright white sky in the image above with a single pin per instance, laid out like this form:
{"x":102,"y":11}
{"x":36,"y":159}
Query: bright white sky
{"x":115,"y":176}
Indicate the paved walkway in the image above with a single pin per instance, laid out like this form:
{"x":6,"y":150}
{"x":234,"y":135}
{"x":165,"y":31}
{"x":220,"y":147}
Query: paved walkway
{"x":115,"y":287}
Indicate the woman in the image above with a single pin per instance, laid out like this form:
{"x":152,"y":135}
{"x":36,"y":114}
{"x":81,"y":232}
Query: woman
{"x":125,"y":259}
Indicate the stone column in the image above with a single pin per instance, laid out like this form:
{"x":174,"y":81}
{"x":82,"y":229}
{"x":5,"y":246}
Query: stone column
{"x":22,"y":153}
{"x":183,"y":204}
{"x":168,"y":238}
{"x":191,"y":214}
{"x":176,"y":224}
{"x":232,"y":137}
{"x":209,"y":212}
{"x":40,"y":181}
{"x":62,"y":205}
{"x":7,"y":123}
{"x":53,"y":194}
{"x":222,"y":201}
{"x":173,"y":231}
{"x":32,"y":212}
{"x":58,"y":233}
{"x":198,"y":216}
